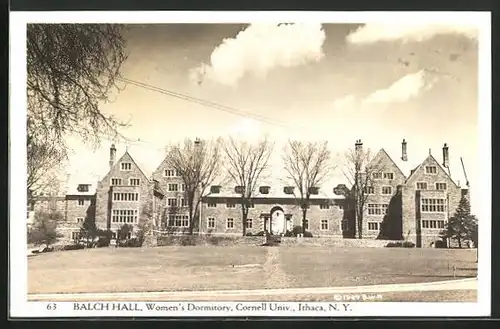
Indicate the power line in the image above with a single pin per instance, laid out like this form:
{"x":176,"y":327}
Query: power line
{"x":204,"y":102}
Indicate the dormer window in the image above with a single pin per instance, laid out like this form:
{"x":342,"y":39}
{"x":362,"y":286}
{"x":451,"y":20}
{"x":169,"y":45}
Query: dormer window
{"x":215,"y":189}
{"x":264,"y":189}
{"x":83,"y":187}
{"x":239,"y":189}
{"x":314,"y":190}
{"x":288,"y":189}
{"x":126,"y":166}
{"x":341,"y":189}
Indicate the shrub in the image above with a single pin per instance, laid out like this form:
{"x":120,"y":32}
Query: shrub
{"x":103,"y":241}
{"x":404,"y":244}
{"x":440,"y":244}
{"x":261,"y":233}
{"x":73,"y":247}
{"x":249,"y":234}
{"x":297,"y":230}
{"x":288,"y":234}
{"x":308,"y":234}
{"x":188,"y":241}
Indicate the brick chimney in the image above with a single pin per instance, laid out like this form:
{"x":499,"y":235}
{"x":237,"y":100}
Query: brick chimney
{"x":446,"y":157}
{"x":112,"y":156}
{"x":404,"y":155}
{"x":358,"y":147}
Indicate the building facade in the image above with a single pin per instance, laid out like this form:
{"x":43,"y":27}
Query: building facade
{"x":404,"y":202}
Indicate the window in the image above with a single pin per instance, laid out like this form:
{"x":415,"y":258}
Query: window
{"x":373,"y":226}
{"x":249,"y":223}
{"x":124,"y":216}
{"x":183,"y":202}
{"x":211,"y":222}
{"x":230,"y":205}
{"x":431,"y":170}
{"x":324,"y":206}
{"x":306,"y":226}
{"x":80,"y":219}
{"x":386,"y":190}
{"x":288,"y":189}
{"x":377,"y":209}
{"x":116,"y":181}
{"x":264,"y":189}
{"x":369,"y":190}
{"x":212,"y":205}
{"x":377,"y":175}
{"x":169,"y":173}
{"x":178,"y":220}
{"x":75,"y":235}
{"x":230,"y":223}
{"x":441,"y":186}
{"x":388,"y":175}
{"x":433,"y":205}
{"x":172,"y":202}
{"x":173,"y":187}
{"x":126,"y":166}
{"x":183,"y":187}
{"x":134,"y":181}
{"x":314,"y":190}
{"x":122,"y":196}
{"x":250,"y":205}
{"x":344,"y":225}
{"x":83,"y":188}
{"x":215,"y":189}
{"x":434,"y":224}
{"x":81,"y":202}
{"x":324,"y":224}
{"x":239,"y":189}
{"x":421,"y":186}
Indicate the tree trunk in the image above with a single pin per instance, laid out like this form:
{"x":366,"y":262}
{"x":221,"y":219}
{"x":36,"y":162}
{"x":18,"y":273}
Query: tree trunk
{"x":244,"y":215}
{"x":459,"y":240}
{"x":360,"y":224}
{"x":304,"y":213}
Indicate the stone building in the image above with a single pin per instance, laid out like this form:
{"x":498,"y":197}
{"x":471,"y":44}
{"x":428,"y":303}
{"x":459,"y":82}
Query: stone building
{"x":406,"y":200}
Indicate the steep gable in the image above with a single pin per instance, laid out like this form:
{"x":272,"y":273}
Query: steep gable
{"x":135,"y":170}
{"x":441,"y":175}
{"x":383,"y":161}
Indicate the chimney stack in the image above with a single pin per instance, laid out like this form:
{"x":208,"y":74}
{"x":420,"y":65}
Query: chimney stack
{"x":358,"y":147}
{"x":112,"y":156}
{"x":446,"y":157}
{"x":404,"y":155}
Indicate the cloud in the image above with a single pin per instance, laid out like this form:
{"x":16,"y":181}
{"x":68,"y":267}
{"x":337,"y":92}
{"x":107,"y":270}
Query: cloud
{"x":345,"y":102}
{"x":260,"y":48}
{"x":246,"y":128}
{"x":402,"y":90}
{"x":371,"y":33}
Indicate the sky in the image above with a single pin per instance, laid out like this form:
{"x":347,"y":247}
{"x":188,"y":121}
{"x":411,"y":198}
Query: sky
{"x":334,"y":82}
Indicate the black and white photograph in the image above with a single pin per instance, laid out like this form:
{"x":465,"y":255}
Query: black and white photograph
{"x":263,"y":164}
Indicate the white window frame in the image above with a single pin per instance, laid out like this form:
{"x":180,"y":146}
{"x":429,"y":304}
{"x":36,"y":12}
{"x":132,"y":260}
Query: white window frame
{"x":307,"y":224}
{"x":82,"y":204}
{"x":321,"y":222}
{"x":175,"y":201}
{"x":133,"y":178}
{"x":183,"y":202}
{"x":125,"y":214}
{"x":445,"y":186}
{"x":373,"y":230}
{"x":166,"y":173}
{"x":183,"y":187}
{"x":209,"y":219}
{"x":429,"y":222}
{"x":324,"y":206}
{"x":80,"y":220}
{"x":175,"y":220}
{"x":385,"y":187}
{"x":386,"y":174}
{"x":370,"y":190}
{"x":378,"y":209}
{"x":75,"y":235}
{"x":421,"y":189}
{"x":233,"y":205}
{"x":344,"y":225}
{"x":433,"y":205}
{"x":126,"y":196}
{"x":431,"y":173}
{"x":211,"y":205}
{"x":119,"y":180}
{"x":171,"y":186}
{"x":230,"y":220}
{"x":249,"y":220}
{"x":123,"y":166}
{"x":377,"y":175}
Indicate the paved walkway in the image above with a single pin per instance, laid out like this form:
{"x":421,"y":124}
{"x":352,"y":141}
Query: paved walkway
{"x":463,"y":284}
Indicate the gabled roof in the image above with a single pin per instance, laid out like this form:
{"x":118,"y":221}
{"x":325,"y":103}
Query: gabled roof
{"x":446,"y":170}
{"x":133,"y":161}
{"x":384,"y":152}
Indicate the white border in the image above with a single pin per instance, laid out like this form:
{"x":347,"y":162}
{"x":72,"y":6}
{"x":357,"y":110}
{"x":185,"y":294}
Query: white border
{"x":19,"y":307}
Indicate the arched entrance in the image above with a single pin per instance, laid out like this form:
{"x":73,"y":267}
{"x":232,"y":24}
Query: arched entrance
{"x":278,"y":221}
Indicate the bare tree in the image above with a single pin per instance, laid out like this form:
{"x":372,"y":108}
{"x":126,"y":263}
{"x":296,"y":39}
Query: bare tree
{"x":306,"y":165}
{"x":199,"y":165}
{"x":360,"y":172}
{"x":246,"y":164}
{"x":71,"y":69}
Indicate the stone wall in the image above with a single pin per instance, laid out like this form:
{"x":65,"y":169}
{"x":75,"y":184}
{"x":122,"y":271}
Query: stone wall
{"x":209,"y":240}
{"x":335,"y":242}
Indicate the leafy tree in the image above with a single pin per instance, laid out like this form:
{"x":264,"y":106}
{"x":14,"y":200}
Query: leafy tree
{"x":44,"y":230}
{"x":124,"y":231}
{"x":462,"y":226}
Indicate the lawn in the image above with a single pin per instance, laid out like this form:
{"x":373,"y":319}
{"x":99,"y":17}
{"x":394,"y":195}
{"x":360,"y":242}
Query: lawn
{"x":241,"y":267}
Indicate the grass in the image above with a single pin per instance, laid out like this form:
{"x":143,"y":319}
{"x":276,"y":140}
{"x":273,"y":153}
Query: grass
{"x":240,"y":267}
